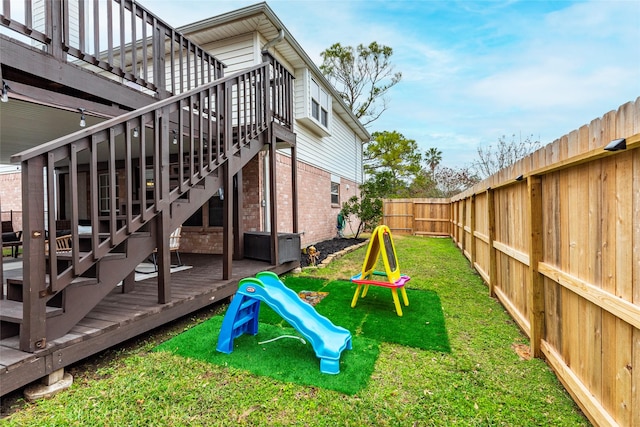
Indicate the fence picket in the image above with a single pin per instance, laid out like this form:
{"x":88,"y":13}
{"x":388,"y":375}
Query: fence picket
{"x":566,"y":266}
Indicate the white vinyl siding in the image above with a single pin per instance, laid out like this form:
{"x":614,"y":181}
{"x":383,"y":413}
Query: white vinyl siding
{"x":237,"y":53}
{"x":339,"y":154}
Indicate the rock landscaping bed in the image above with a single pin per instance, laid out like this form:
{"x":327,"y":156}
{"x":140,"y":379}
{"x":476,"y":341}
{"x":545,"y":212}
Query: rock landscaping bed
{"x":329,"y":247}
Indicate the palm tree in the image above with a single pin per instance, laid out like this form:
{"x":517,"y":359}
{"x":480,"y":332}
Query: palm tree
{"x":433,"y":157}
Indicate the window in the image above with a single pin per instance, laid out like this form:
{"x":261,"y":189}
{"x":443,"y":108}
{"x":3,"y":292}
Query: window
{"x":215,"y":212}
{"x":209,"y":215}
{"x":315,"y":112}
{"x":319,"y":104}
{"x":335,"y":193}
{"x":103,"y":193}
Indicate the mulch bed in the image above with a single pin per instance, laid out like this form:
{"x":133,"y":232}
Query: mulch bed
{"x":328,"y":247}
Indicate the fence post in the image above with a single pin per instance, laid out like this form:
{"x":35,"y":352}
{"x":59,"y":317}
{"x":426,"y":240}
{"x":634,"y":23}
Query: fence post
{"x":535,"y":294}
{"x":463,"y":232}
{"x":491,"y":217}
{"x":472,"y":227}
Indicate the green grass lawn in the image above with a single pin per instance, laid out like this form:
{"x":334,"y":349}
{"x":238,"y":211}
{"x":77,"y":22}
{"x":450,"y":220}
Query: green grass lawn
{"x":481,"y":381}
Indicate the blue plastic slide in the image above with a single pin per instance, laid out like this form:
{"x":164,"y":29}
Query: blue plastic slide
{"x":327,"y":339}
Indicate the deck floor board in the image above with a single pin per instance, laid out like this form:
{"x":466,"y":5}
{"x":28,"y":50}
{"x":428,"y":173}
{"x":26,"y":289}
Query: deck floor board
{"x":120,"y":316}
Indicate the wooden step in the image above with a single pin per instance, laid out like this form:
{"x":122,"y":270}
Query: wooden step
{"x":68,"y":256}
{"x":11,"y":311}
{"x":14,"y":285}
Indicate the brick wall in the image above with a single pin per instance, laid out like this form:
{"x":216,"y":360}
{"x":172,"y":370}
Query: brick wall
{"x":209,"y":240}
{"x":252,"y":212}
{"x":11,"y":198}
{"x":201,"y":241}
{"x":316,"y":215}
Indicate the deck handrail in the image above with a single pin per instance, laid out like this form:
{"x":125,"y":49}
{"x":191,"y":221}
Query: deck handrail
{"x":120,"y":38}
{"x":101,"y":127}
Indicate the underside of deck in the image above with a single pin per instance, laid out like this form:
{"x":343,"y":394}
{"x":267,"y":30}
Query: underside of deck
{"x":121,"y":316}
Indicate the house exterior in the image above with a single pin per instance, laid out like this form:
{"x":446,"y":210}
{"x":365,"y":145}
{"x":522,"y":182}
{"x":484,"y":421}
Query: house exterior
{"x":224,"y":128}
{"x":329,"y":138}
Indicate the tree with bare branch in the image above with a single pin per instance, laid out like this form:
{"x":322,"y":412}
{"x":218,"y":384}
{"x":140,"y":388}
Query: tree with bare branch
{"x":362,"y":75}
{"x":493,"y":158}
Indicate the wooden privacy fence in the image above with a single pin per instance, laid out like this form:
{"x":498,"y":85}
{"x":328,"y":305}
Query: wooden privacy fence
{"x":556,"y":237}
{"x":430,"y":217}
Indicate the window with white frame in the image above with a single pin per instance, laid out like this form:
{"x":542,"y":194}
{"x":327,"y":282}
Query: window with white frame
{"x":104,"y":191}
{"x":319,"y":104}
{"x":335,"y":193}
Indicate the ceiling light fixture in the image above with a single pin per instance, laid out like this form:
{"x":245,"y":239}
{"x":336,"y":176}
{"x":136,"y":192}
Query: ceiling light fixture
{"x":135,"y":133}
{"x":83,"y":122}
{"x":5,"y":92}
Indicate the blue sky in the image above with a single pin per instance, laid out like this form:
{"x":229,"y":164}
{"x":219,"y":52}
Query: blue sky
{"x":473,"y":70}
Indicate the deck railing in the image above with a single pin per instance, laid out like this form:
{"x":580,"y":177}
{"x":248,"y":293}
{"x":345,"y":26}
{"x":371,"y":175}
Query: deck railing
{"x":133,"y":167}
{"x":119,"y":38}
{"x":281,"y":92}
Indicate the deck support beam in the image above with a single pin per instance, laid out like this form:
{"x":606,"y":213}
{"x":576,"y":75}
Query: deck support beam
{"x":273,"y":199}
{"x":227,"y":220}
{"x":163,"y":223}
{"x":294,"y":187}
{"x":34,"y":325}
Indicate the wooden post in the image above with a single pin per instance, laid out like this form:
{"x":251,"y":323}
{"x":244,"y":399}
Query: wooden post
{"x":491,"y":216}
{"x":463,"y":232}
{"x":273,"y":199}
{"x":294,"y":187}
{"x":452,"y":218}
{"x":227,"y":209}
{"x":238,"y":228}
{"x":472,"y":226}
{"x":159,"y":54}
{"x":227,"y":220}
{"x":54,"y":21}
{"x":269,"y":90}
{"x":535,"y":293}
{"x":33,"y":329}
{"x":163,"y":256}
{"x":129,"y":282}
{"x":163,"y":222}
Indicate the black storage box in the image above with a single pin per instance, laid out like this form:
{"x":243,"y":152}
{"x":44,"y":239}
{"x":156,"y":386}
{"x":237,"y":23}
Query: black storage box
{"x":257,"y":246}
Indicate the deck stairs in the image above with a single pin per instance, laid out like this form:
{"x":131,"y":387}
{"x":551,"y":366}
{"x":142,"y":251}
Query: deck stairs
{"x":189,"y":146}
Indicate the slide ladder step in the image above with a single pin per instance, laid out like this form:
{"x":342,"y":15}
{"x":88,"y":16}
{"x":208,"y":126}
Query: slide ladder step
{"x":241,"y":318}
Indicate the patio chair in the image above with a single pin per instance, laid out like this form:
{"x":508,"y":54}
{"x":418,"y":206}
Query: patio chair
{"x":63,"y":244}
{"x":10,"y":238}
{"x":174,"y":246}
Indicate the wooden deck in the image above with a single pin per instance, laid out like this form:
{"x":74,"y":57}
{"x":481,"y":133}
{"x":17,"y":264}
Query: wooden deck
{"x":121,"y":316}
